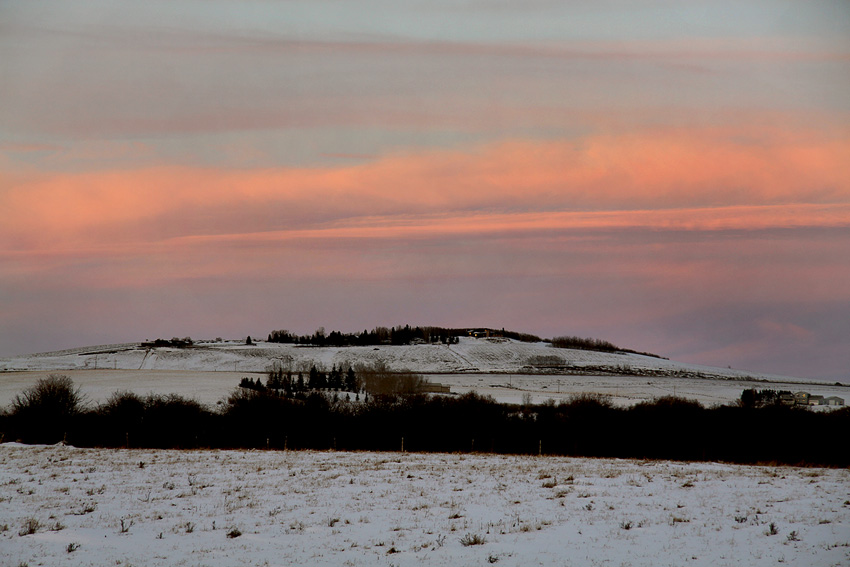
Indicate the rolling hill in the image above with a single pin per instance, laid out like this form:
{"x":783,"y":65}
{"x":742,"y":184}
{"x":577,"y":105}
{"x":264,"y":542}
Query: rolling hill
{"x":469,"y":355}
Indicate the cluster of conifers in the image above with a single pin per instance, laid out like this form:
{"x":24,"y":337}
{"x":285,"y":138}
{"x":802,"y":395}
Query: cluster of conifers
{"x":393,"y":336}
{"x":588,"y":426}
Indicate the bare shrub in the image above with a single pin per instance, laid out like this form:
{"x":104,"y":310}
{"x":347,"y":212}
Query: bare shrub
{"x":588,"y":402}
{"x":234,"y":533}
{"x":472,"y":539}
{"x":55,"y":393}
{"x":377,"y":379}
{"x":125,"y":525}
{"x":29,"y":527}
{"x":43,"y":412}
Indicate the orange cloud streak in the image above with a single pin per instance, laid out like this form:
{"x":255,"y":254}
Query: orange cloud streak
{"x":667,"y":179}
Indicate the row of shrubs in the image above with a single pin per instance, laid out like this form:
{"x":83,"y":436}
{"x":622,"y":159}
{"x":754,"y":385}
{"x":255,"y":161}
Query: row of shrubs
{"x":667,"y":428}
{"x":599,"y":345}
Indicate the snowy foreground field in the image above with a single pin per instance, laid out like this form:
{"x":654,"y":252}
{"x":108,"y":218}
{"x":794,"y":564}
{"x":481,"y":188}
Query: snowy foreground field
{"x":147,"y":507}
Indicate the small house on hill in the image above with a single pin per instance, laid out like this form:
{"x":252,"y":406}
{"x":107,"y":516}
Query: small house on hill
{"x":833,"y":401}
{"x":801,"y":398}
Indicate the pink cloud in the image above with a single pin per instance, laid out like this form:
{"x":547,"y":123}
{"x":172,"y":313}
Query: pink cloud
{"x":664,"y":179}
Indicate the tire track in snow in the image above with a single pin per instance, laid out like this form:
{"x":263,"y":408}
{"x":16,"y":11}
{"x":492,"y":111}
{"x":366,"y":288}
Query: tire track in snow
{"x":469,"y":365}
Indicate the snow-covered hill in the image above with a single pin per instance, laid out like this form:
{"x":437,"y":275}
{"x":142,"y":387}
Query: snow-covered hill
{"x":470,"y":355}
{"x":507,"y":370}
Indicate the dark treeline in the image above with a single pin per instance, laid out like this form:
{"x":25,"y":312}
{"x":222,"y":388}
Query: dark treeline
{"x":374,"y":378}
{"x":176,"y":342}
{"x":588,"y":426}
{"x":390,"y":336}
{"x":593,"y":344}
{"x":286,"y":383}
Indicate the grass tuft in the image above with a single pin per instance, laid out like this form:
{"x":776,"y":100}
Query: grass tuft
{"x":29,"y":527}
{"x":472,"y":539}
{"x":234,"y":533}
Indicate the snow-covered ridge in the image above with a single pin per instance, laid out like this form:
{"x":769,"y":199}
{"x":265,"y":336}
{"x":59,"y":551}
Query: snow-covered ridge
{"x":470,"y":355}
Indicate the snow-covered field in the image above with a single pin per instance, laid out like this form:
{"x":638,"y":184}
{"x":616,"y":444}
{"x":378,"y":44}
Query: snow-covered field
{"x":212,"y":387}
{"x":495,"y":367}
{"x":144,"y":507}
{"x":623,"y":390}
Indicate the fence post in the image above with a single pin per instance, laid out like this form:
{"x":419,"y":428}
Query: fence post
{"x":540,"y":448}
{"x":402,"y":444}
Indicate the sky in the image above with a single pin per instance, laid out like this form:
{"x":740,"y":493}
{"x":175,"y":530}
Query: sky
{"x":669,"y":175}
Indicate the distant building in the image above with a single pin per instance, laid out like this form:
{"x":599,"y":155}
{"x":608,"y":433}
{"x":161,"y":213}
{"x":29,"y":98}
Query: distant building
{"x":796,"y":399}
{"x":801,"y":398}
{"x":436,"y":388}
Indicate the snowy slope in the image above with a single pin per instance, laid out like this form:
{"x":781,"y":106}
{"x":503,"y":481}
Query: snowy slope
{"x":468,"y":356}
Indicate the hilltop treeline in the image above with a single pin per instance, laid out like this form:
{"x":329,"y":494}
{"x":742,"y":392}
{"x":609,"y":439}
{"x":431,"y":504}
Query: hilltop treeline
{"x":392,"y":336}
{"x":587,"y":426}
{"x":176,"y":342}
{"x":599,"y":345}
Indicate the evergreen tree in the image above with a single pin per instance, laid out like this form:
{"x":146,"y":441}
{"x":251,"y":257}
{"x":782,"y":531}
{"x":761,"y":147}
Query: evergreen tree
{"x":351,"y":381}
{"x":335,"y":382}
{"x":318,"y":379}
